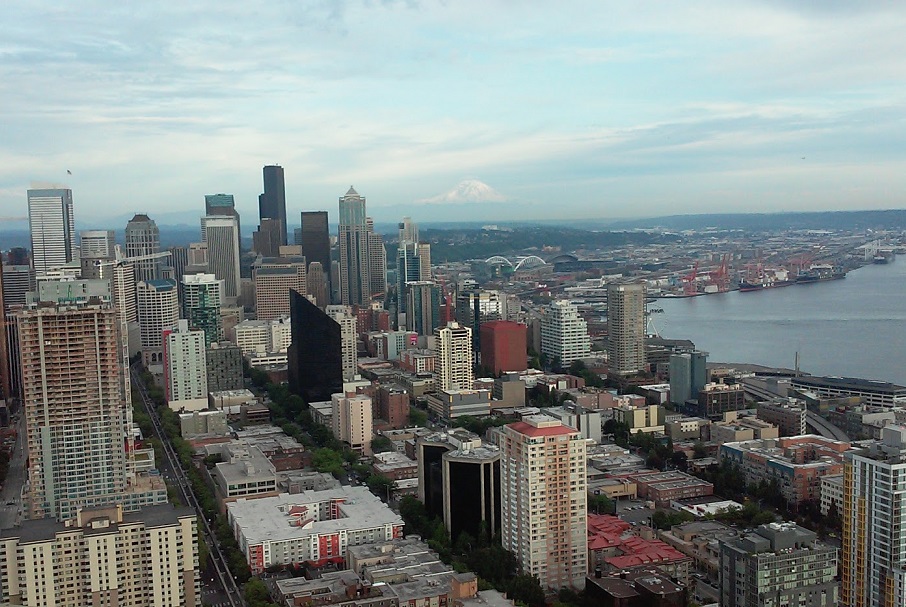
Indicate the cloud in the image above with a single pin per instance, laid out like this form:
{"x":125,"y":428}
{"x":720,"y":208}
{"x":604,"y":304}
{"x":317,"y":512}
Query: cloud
{"x":467,"y":190}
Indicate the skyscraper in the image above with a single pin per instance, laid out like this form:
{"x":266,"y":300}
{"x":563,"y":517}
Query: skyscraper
{"x":453,"y":370}
{"x":873,"y":558}
{"x":179,"y":259}
{"x":158,"y":311}
{"x":272,"y":203}
{"x":422,"y":306}
{"x":688,"y":375}
{"x":377,"y":261}
{"x":223,"y":253}
{"x":77,"y":409}
{"x":185,"y":372}
{"x":202,"y":300}
{"x":316,"y":284}
{"x":266,"y":240}
{"x":348,"y":339}
{"x":275,"y":278}
{"x":408,"y":269}
{"x":52,"y":227}
{"x":314,"y":236}
{"x":475,"y":306}
{"x":355,"y":266}
{"x":222,"y":204}
{"x":97,"y":244}
{"x":143,"y":238}
{"x":543,"y":500}
{"x":315,"y":355}
{"x":5,"y":367}
{"x":564,"y":334}
{"x":626,"y":328}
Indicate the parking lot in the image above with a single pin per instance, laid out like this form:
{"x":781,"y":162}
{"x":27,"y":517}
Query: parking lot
{"x":634,"y":511}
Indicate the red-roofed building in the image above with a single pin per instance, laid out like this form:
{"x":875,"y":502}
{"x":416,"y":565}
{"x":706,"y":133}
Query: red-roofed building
{"x":613,"y":546}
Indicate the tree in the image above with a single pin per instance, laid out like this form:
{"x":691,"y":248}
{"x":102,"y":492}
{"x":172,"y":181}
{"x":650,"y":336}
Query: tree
{"x":381,"y":443}
{"x":417,"y":417}
{"x":601,"y":504}
{"x":327,"y":460}
{"x":526,"y":589}
{"x":380,"y":485}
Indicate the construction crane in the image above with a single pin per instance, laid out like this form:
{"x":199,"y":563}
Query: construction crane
{"x":689,"y":286}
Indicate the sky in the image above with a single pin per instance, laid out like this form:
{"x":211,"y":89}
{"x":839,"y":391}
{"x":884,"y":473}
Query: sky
{"x":457,"y":109}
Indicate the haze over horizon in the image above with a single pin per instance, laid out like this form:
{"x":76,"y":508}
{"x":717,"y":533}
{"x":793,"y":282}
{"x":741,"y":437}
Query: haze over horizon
{"x":465,"y":110}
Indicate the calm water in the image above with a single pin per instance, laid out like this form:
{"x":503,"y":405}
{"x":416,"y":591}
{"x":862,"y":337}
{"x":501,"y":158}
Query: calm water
{"x":854,"y":327}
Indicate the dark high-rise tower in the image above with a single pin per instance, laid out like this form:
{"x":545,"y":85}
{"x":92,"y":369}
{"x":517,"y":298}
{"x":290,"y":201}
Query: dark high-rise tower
{"x":316,"y":353}
{"x":314,"y":236}
{"x":272,"y":203}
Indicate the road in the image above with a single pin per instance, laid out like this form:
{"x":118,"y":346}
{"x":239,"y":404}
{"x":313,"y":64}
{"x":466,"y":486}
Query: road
{"x":11,"y":496}
{"x":219,"y":589}
{"x":812,"y":420}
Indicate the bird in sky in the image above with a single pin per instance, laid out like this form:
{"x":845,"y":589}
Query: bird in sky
{"x":68,"y":172}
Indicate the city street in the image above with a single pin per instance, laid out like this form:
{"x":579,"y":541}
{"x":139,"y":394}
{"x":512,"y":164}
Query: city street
{"x":11,"y":496}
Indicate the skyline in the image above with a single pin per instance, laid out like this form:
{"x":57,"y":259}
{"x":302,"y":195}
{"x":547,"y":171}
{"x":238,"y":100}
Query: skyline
{"x":434,"y":110}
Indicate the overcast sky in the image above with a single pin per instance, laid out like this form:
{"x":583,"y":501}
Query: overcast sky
{"x":558,"y":109}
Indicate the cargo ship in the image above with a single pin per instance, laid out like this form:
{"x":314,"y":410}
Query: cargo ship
{"x":820,"y":274}
{"x":769,"y":279}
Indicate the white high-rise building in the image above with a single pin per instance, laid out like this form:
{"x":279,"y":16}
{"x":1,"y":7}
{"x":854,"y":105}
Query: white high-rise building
{"x":97,"y":244}
{"x":52,"y":228}
{"x":143,"y":239}
{"x":873,"y":558}
{"x":348,"y":338}
{"x":222,"y":238}
{"x":185,"y":368}
{"x":564,"y":334}
{"x":352,"y":421}
{"x":543,"y":500}
{"x":104,"y":557}
{"x":626,"y":328}
{"x":158,"y":311}
{"x":260,"y":337}
{"x":453,"y":369}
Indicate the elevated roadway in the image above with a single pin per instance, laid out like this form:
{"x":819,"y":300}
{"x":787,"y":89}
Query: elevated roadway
{"x":812,"y":420}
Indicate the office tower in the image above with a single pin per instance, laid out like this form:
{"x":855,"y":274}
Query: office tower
{"x":408,"y":231}
{"x":422,"y":306}
{"x":18,"y":256}
{"x":335,"y":280}
{"x":348,"y":338}
{"x":266,"y":240}
{"x":424,"y":261}
{"x":626,"y":328}
{"x":408,"y":269}
{"x":688,"y":376}
{"x":97,"y":244}
{"x":474,"y":307}
{"x":220,"y":205}
{"x":471,"y":477}
{"x":274,"y":278}
{"x":355,"y":266}
{"x":503,"y":346}
{"x":104,"y":557}
{"x":377,"y":261}
{"x":314,"y":236}
{"x":224,"y":362}
{"x":873,"y":558}
{"x":564,"y":334}
{"x":18,"y":281}
{"x":52,"y":228}
{"x":543,"y":500}
{"x":77,"y":408}
{"x":185,"y":367}
{"x":122,"y":284}
{"x":778,"y":564}
{"x":272,"y":203}
{"x":179,"y":260}
{"x":352,"y":421}
{"x":453,"y":370}
{"x":223,"y":253}
{"x":143,"y":238}
{"x":5,"y":367}
{"x":316,"y":284}
{"x":202,"y":301}
{"x":315,"y":366}
{"x":158,"y":310}
{"x":197,"y":256}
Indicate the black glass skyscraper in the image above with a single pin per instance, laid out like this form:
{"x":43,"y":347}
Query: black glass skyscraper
{"x":272,"y":203}
{"x":314,"y":236}
{"x":316,"y":353}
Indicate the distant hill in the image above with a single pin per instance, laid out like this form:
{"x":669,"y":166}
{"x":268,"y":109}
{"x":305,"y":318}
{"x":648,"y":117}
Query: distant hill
{"x":769,"y":222}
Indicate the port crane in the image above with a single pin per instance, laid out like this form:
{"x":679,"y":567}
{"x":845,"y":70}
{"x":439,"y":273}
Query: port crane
{"x":689,"y":286}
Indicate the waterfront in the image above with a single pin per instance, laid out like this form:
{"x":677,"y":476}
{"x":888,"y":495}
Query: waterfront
{"x":853,"y":327}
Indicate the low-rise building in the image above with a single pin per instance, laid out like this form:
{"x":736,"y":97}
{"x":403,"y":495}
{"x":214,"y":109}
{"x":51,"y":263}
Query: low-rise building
{"x":643,"y":586}
{"x":613,"y":546}
{"x":310,"y":527}
{"x":832,"y":493}
{"x":207,"y":423}
{"x":685,"y":428}
{"x":245,"y":471}
{"x":700,"y":540}
{"x":586,"y":421}
{"x":716,"y":399}
{"x":734,"y":428}
{"x":394,"y":466}
{"x":796,"y":463}
{"x":451,"y":404}
{"x":644,"y":418}
{"x":863,"y":421}
{"x":787,"y":414}
{"x":662,"y":488}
